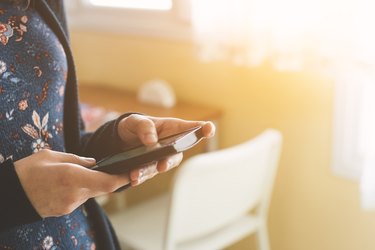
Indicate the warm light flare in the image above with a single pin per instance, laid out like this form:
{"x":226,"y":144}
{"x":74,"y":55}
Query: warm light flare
{"x":287,"y":31}
{"x":135,"y":4}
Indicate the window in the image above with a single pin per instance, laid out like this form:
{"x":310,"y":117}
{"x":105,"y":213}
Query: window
{"x":354,"y":122}
{"x":166,"y":18}
{"x":354,"y":133}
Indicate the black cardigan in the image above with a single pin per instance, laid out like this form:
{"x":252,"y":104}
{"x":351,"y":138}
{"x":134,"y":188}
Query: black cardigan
{"x":15,"y":208}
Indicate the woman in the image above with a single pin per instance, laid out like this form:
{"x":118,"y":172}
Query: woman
{"x":46,"y":185}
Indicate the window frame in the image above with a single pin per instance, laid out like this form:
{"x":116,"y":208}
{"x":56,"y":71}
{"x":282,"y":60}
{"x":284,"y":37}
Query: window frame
{"x":174,"y":23}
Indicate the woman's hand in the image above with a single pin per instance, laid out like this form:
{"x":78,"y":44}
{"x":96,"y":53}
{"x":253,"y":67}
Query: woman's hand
{"x":57,"y":183}
{"x":136,"y":129}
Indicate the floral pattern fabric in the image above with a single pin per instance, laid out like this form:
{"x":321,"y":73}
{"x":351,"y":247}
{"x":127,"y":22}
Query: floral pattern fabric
{"x":33,"y":72}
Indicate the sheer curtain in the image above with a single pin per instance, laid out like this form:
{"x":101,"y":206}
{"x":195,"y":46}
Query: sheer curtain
{"x":366,"y":143}
{"x":329,"y":36}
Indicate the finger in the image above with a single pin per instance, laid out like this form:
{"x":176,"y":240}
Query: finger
{"x":143,"y":127}
{"x":69,"y":158}
{"x":208,"y":129}
{"x":168,"y":126}
{"x":143,"y":173}
{"x":169,"y":163}
{"x":99,"y":182}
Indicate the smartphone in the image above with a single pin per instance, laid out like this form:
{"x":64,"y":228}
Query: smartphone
{"x":135,"y":157}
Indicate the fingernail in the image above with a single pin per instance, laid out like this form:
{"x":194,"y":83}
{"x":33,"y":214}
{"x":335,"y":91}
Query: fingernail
{"x":141,"y":176}
{"x":141,"y":173}
{"x":151,"y":138}
{"x":90,"y":159}
{"x":170,"y":164}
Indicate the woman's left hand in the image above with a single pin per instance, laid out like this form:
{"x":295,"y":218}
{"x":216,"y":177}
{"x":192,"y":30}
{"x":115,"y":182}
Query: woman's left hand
{"x":136,"y":129}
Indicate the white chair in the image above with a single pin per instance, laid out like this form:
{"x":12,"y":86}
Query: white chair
{"x":210,"y":201}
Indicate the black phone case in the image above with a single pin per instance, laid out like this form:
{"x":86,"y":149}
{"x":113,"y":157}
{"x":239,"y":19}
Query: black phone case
{"x":135,"y":157}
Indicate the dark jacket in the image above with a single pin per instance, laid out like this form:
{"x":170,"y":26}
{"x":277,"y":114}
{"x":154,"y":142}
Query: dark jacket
{"x":15,"y":208}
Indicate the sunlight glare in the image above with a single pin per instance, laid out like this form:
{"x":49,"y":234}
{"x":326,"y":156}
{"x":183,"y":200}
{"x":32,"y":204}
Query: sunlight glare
{"x":135,"y":4}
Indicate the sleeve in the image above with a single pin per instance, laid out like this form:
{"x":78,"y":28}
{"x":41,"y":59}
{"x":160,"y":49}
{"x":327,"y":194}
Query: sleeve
{"x":15,"y":208}
{"x":104,"y":141}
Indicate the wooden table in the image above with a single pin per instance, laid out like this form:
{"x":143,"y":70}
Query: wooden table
{"x":122,"y":101}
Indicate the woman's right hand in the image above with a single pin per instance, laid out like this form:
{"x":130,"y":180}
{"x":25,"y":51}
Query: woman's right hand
{"x":57,"y":183}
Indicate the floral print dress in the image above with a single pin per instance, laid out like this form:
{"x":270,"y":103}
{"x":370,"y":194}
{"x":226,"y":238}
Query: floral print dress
{"x":33,"y":71}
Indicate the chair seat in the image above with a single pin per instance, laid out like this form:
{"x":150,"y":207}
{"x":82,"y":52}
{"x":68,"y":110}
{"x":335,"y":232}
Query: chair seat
{"x":224,"y":237}
{"x":143,"y":227}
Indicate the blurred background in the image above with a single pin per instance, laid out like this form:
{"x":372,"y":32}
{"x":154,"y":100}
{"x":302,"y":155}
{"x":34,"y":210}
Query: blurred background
{"x":303,"y":67}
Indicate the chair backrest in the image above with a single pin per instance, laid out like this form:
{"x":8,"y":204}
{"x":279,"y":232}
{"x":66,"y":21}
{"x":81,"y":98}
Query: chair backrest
{"x":212,"y":189}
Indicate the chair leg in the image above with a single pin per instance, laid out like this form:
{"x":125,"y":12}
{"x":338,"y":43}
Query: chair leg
{"x":262,"y":237}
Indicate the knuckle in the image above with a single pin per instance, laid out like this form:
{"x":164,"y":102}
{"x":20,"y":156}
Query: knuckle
{"x":144,"y":124}
{"x":133,"y":116}
{"x":45,"y":151}
{"x":73,"y":157}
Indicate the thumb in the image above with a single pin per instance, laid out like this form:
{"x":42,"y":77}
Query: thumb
{"x":143,"y":127}
{"x":72,"y":158}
